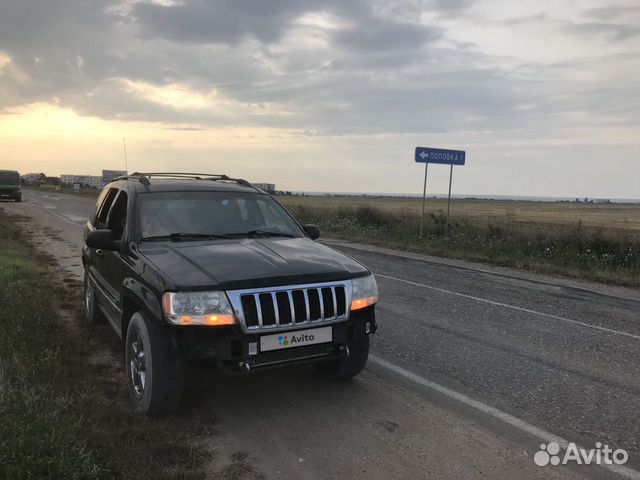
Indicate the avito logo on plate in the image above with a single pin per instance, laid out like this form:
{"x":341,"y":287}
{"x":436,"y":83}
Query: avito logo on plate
{"x":285,"y":341}
{"x":279,"y":341}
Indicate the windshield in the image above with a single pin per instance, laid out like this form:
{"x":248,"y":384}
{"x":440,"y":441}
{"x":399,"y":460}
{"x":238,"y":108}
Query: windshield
{"x":9,"y":178}
{"x":187,"y":215}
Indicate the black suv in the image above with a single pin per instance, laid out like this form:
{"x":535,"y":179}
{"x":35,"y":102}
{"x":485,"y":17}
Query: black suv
{"x":205,"y":268}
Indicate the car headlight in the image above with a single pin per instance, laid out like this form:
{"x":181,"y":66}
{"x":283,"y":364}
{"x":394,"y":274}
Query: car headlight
{"x":364,"y":292}
{"x":198,"y":308}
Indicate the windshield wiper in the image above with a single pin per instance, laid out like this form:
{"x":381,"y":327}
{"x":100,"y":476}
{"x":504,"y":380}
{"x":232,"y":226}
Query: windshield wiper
{"x":177,"y":236}
{"x":264,"y":233}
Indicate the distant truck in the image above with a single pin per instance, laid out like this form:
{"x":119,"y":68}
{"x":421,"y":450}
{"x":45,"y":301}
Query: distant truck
{"x":10,"y":185}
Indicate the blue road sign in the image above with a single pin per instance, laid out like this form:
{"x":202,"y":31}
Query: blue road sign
{"x":438,"y":155}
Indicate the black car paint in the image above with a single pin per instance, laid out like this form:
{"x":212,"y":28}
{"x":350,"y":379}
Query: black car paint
{"x":135,"y":275}
{"x":248,"y":263}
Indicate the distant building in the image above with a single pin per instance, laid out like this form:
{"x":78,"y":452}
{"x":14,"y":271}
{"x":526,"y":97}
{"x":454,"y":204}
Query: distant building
{"x":267,"y":187}
{"x":85,"y":181}
{"x":33,"y":178}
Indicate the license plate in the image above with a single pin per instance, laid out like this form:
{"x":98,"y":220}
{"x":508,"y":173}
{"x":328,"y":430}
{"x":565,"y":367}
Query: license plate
{"x":298,"y":338}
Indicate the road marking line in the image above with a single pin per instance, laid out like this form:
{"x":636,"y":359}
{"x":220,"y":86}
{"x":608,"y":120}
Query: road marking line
{"x":512,"y":307}
{"x":51,"y":212}
{"x":445,"y":262}
{"x":494,"y":412}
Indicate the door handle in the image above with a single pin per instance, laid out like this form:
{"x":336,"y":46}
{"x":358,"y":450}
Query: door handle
{"x":99,"y":252}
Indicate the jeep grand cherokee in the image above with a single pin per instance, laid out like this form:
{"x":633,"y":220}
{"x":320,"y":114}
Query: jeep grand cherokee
{"x":205,"y":268}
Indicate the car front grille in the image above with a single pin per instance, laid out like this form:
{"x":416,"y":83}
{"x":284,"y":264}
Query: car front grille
{"x":291,"y":306}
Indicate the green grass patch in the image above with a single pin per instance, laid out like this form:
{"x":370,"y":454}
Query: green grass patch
{"x":64,"y":406}
{"x":41,"y":435}
{"x":608,"y":256}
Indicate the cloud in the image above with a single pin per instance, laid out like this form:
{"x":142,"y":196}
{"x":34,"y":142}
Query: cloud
{"x":534,"y":18}
{"x":377,"y":34}
{"x":611,"y":31}
{"x":222,"y":21}
{"x":611,"y":12}
{"x":337,"y":67}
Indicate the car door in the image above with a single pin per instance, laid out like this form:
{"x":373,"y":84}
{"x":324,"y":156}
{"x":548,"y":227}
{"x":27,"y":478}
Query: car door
{"x":94,"y":258}
{"x":112,"y":263}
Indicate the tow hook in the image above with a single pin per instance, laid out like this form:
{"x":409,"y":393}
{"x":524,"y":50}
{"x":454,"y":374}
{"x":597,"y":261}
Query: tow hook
{"x":345,"y":350}
{"x":245,"y":366}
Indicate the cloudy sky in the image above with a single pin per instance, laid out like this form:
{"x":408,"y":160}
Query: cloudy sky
{"x":329,"y":95}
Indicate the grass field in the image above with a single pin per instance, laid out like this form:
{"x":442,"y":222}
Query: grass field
{"x":40,"y":436}
{"x":483,"y":212}
{"x":63,"y":397}
{"x":598,"y":242}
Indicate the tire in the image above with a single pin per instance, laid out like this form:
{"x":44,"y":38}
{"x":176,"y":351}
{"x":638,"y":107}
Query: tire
{"x":18,"y":198}
{"x":348,"y":366}
{"x":155,"y":374}
{"x":92,"y":313}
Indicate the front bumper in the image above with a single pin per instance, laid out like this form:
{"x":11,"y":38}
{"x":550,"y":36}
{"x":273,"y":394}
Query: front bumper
{"x":233,"y":350}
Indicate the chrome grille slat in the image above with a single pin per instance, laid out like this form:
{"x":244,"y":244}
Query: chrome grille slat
{"x":335,"y":302}
{"x":321,"y":300}
{"x":256,"y":298}
{"x":304,"y":301}
{"x":275,"y":308}
{"x":293,"y":310}
{"x":306,"y":306}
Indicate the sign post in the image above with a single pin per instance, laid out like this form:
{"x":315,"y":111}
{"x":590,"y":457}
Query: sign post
{"x":424,"y":195}
{"x":428,"y":155}
{"x":446,"y":226}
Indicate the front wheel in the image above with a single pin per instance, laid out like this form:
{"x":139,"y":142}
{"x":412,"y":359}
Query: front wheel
{"x":348,"y":366}
{"x":18,"y":198}
{"x":154,"y":369}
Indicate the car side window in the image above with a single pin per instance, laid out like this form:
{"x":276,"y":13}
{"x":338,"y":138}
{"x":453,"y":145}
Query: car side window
{"x":118,"y":216}
{"x":94,"y":216}
{"x":103,"y":211}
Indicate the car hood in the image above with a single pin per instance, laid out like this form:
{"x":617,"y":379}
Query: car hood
{"x":248,"y":263}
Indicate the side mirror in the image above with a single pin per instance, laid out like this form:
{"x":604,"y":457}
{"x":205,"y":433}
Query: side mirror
{"x":102,"y":239}
{"x":312,"y":230}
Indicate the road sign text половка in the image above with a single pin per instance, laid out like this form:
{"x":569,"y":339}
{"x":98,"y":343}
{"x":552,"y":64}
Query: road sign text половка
{"x":439,"y":155}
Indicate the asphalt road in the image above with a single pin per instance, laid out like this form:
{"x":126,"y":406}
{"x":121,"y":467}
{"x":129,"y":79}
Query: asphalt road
{"x":472,"y":369}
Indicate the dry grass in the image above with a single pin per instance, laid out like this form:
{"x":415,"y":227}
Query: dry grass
{"x":482,"y":212}
{"x":594,"y":242}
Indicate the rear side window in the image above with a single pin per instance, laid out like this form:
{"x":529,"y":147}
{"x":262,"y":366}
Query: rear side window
{"x":103,"y":210}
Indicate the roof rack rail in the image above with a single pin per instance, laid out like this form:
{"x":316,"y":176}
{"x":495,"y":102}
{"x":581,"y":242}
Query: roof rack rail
{"x":143,"y":177}
{"x":134,"y":176}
